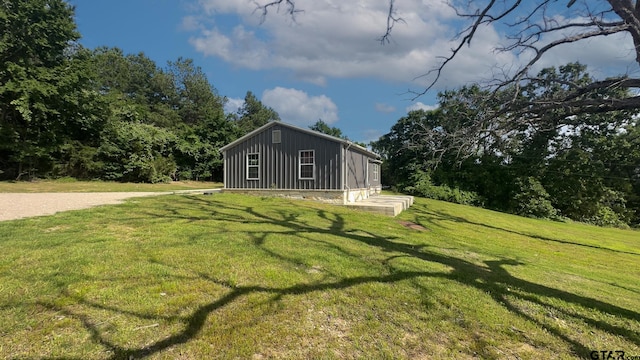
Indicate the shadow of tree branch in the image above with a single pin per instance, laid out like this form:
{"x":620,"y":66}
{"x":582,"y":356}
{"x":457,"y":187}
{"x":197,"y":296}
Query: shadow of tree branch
{"x":492,"y":277}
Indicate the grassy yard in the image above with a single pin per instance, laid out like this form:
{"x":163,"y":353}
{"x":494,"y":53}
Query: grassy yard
{"x":232,"y":276}
{"x":69,"y":185}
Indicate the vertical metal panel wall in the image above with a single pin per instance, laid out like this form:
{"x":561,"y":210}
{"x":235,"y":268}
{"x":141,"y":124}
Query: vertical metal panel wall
{"x":279,"y":162}
{"x":356,"y":169}
{"x":372,"y":181}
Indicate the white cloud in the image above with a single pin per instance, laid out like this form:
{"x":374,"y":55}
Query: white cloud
{"x":254,"y":53}
{"x":420,"y":106}
{"x":604,"y":56}
{"x":233,"y":105}
{"x":384,"y":108}
{"x":298,"y":108}
{"x":338,"y":39}
{"x":335,"y":39}
{"x":190,"y":23}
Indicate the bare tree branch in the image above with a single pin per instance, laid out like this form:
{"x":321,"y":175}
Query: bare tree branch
{"x":538,"y":31}
{"x":289,"y":5}
{"x":392,"y":20}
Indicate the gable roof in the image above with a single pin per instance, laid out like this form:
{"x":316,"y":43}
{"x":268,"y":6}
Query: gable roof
{"x":307,"y":131}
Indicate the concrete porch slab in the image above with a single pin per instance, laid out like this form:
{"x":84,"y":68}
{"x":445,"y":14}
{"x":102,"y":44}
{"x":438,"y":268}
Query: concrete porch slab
{"x":390,"y":205}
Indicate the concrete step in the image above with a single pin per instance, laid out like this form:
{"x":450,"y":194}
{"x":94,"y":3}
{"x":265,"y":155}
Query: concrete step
{"x":390,"y":205}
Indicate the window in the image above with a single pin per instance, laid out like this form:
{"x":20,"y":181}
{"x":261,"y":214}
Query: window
{"x":253,"y":166}
{"x":375,"y":172}
{"x":276,"y":137}
{"x":306,"y":164}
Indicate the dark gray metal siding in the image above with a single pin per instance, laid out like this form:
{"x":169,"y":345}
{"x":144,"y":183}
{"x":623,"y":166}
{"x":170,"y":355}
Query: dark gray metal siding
{"x":279,"y":162}
{"x":356,"y":169}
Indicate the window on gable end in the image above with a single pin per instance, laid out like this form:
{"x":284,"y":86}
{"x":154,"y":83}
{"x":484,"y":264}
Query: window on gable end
{"x":276,"y":137}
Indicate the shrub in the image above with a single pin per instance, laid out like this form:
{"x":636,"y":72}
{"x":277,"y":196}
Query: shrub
{"x":532,"y":199}
{"x":137,"y":152}
{"x":421,"y":185}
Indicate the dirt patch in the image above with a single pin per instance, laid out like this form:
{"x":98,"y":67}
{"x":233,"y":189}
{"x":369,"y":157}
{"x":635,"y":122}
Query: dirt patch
{"x":414,"y":226}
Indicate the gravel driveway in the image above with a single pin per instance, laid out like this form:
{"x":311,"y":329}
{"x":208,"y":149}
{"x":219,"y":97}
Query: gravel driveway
{"x":21,"y":205}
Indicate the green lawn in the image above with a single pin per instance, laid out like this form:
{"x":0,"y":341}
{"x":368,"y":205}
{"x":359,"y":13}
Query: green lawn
{"x":232,"y":276}
{"x":70,"y":185}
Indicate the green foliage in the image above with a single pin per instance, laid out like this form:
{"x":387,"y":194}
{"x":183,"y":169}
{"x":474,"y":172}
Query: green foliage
{"x":421,"y":185}
{"x":532,"y":200}
{"x":35,"y":33}
{"x":584,"y":167}
{"x":44,"y":101}
{"x":401,"y":147}
{"x":79,"y":161}
{"x":253,"y":114}
{"x":323,"y":127}
{"x":134,"y":152}
{"x":102,"y":114}
{"x":178,"y":99}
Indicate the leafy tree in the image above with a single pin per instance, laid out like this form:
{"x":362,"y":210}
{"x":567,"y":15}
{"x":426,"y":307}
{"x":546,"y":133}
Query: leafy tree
{"x":402,"y":150}
{"x":583,"y":167}
{"x":254,"y":114}
{"x":136,"y":152}
{"x":531,"y":199}
{"x":44,"y":96}
{"x":195,"y":99}
{"x":178,"y":100}
{"x":323,"y":127}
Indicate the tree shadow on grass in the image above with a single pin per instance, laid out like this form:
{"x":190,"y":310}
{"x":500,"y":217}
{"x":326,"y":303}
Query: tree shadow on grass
{"x":428,"y":216}
{"x":491,"y":277}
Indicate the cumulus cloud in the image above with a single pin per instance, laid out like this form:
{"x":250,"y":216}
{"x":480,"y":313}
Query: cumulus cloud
{"x":338,"y":39}
{"x":605,"y":56}
{"x":297,"y":107}
{"x":420,"y":106}
{"x":332,"y":39}
{"x":384,"y":108}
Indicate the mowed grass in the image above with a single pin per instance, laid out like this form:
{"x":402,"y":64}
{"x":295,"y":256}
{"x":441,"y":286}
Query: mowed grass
{"x":232,"y":276}
{"x":71,"y":185}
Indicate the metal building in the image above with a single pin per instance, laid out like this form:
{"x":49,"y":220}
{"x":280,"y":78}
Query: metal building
{"x":282,"y":159}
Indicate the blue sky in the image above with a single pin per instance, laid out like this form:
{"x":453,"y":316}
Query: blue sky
{"x":325,"y":65}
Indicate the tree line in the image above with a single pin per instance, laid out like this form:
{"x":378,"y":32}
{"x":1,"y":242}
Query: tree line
{"x":66,"y":110}
{"x":553,"y":164}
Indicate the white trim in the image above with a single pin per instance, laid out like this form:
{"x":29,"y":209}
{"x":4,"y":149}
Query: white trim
{"x":366,"y":176}
{"x":257,"y":166}
{"x":312,"y":164}
{"x":225,"y":171}
{"x":376,"y":169}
